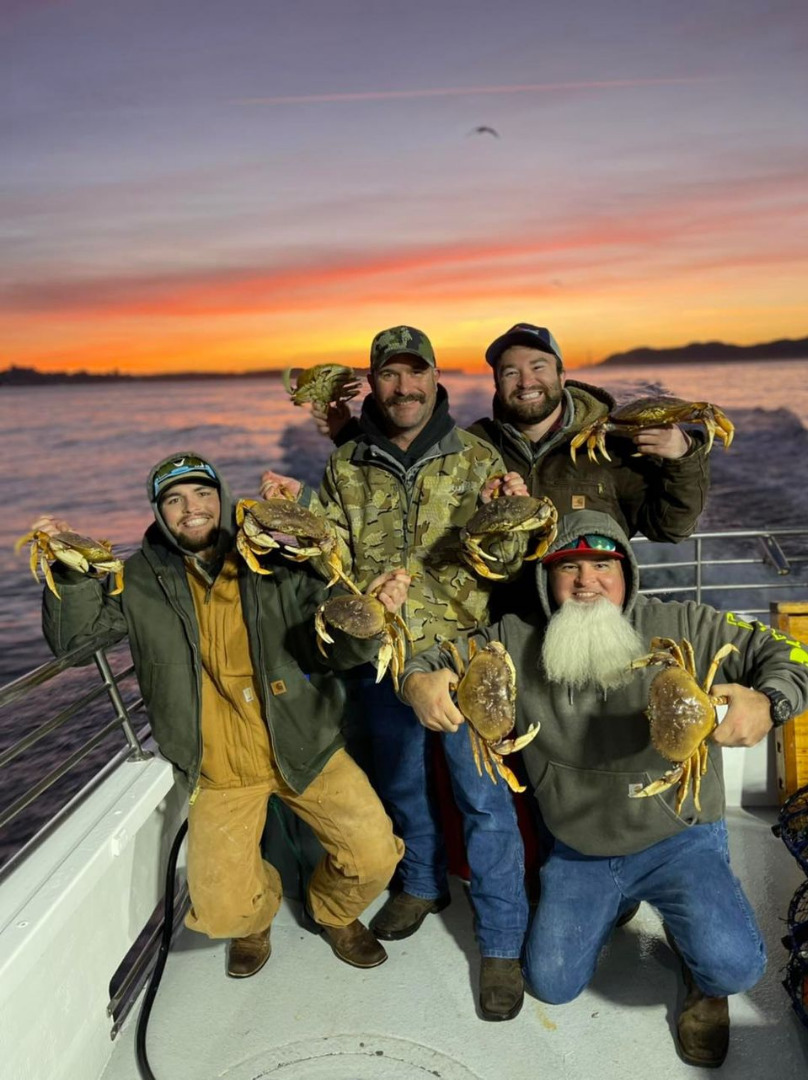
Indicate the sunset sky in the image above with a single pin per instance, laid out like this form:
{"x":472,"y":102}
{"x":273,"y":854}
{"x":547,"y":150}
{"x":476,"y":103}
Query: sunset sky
{"x":198,"y":184}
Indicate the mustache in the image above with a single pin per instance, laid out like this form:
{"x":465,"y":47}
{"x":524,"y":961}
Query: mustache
{"x":401,"y":399}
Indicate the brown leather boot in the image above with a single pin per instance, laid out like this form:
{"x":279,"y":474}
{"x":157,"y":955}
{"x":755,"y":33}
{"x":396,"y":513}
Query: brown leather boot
{"x":355,"y":944}
{"x":502,"y":989}
{"x":702,"y":1027}
{"x":403,"y":914}
{"x":247,"y":955}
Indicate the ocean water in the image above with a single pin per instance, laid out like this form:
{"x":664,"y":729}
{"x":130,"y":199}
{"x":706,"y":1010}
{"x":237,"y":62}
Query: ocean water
{"x":84,"y":452}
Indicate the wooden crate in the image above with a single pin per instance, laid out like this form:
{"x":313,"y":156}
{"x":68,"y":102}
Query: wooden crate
{"x":791,"y":740}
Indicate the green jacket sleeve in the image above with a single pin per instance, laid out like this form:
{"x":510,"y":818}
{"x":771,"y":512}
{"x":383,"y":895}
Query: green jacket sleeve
{"x":85,"y":611}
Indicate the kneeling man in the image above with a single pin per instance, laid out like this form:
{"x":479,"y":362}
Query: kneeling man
{"x":594,"y":752}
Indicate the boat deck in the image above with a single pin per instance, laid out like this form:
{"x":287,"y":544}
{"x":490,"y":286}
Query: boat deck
{"x":308,"y":1016}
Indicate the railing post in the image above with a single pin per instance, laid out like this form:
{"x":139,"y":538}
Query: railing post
{"x":138,"y":753}
{"x":698,"y":570}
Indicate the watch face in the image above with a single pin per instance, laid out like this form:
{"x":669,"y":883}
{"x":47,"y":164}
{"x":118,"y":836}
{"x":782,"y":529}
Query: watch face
{"x":780,"y":707}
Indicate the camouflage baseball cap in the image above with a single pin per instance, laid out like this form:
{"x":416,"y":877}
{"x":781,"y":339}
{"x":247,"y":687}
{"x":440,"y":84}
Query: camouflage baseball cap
{"x":400,"y":340}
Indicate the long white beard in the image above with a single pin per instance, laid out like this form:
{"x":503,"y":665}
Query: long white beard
{"x":590,"y":644}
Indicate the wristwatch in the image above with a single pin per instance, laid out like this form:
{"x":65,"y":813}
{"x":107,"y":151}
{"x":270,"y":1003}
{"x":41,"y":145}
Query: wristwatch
{"x":780,"y":709}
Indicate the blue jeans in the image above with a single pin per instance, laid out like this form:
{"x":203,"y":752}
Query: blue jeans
{"x":687,"y":878}
{"x":401,"y":749}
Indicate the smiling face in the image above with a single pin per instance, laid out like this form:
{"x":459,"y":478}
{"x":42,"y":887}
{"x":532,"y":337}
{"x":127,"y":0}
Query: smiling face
{"x":587,"y":579}
{"x":405,"y":390}
{"x":529,"y":385}
{"x":191,"y":512}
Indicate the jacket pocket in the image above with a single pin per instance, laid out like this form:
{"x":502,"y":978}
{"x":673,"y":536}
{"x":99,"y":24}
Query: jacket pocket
{"x":591,"y":811}
{"x":169,"y":694}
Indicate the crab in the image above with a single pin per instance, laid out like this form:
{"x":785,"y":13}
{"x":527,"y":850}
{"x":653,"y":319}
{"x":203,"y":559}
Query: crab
{"x":682,"y":716}
{"x":76,"y":551}
{"x":365,"y":616}
{"x":322,"y":384}
{"x":501,"y":517}
{"x":486,"y":696}
{"x":650,"y":412}
{"x":258,"y":519}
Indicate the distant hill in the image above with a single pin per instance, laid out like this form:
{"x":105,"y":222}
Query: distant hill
{"x":706,"y":352}
{"x":23,"y":376}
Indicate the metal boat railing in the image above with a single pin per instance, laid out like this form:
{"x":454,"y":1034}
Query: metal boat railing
{"x":708,"y":568}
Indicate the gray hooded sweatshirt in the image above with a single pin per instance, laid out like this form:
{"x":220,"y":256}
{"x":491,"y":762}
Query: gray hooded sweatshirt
{"x":594,"y":747}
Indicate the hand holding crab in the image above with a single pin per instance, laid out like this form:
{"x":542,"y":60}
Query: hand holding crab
{"x":51,"y":538}
{"x":372,"y":615}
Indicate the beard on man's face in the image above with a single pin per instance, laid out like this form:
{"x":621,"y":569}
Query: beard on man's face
{"x":195,"y":544}
{"x":590,"y":644}
{"x":533,"y":411}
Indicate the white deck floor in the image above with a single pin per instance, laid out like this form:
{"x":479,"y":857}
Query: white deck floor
{"x":308,"y":1016}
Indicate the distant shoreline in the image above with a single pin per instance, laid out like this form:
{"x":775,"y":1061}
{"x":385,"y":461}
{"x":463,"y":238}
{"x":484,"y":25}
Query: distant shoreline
{"x":710,"y":352}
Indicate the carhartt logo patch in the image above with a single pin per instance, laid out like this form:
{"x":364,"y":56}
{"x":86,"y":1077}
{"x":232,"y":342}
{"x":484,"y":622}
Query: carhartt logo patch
{"x":579,"y":502}
{"x":278,"y":687}
{"x":634,"y":790}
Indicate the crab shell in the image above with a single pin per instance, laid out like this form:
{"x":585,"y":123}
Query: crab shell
{"x":82,"y":553}
{"x":321,"y":384}
{"x":364,"y":617}
{"x":681,"y":716}
{"x":486,"y":694}
{"x":501,"y":517}
{"x":636,"y":416}
{"x":260,"y":517}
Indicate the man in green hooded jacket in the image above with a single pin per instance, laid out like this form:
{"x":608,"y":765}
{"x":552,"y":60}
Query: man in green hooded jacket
{"x":242,"y":704}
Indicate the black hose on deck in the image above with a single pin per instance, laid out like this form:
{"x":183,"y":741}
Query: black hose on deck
{"x":165,"y":945}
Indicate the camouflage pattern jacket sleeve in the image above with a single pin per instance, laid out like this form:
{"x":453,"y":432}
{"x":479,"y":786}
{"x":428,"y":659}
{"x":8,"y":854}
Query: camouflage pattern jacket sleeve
{"x":387,"y":517}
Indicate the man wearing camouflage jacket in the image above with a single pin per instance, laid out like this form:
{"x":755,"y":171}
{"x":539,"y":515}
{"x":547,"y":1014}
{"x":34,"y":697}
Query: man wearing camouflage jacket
{"x":398,"y":494}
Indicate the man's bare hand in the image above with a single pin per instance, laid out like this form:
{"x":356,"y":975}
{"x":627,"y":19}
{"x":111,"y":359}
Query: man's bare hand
{"x":276,"y":486}
{"x":330,"y":419}
{"x":509,"y":484}
{"x":391,"y":589}
{"x":666,"y":442}
{"x":748,"y":717}
{"x":429,"y":694}
{"x":49,"y":524}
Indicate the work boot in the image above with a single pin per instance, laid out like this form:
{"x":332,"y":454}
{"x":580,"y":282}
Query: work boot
{"x":247,"y":955}
{"x":702,"y":1027}
{"x":628,"y":915}
{"x":502,"y":988}
{"x":355,"y":944}
{"x":403,"y":913}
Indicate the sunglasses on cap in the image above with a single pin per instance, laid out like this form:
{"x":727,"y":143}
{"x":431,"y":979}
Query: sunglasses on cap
{"x":587,"y":543}
{"x":179,"y":467}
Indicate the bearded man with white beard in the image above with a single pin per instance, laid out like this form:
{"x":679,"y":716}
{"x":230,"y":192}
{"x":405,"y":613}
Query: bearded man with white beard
{"x":593,"y":751}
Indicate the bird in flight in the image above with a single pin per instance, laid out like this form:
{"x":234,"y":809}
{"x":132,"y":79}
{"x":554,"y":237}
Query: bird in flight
{"x":483,"y":129}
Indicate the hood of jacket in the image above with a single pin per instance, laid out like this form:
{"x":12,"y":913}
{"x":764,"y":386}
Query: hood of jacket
{"x":577,"y":524}
{"x":226,"y":527}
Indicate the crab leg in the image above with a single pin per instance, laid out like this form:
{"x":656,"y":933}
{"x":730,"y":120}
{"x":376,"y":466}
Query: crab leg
{"x":725,"y":650}
{"x":508,"y":775}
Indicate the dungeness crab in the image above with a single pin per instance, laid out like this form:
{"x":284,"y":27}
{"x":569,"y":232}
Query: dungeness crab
{"x":636,"y":416}
{"x":76,"y":551}
{"x":365,"y":616}
{"x":502,"y":516}
{"x":322,"y":384}
{"x":682,"y":715}
{"x":486,"y":696}
{"x":258,"y":519}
